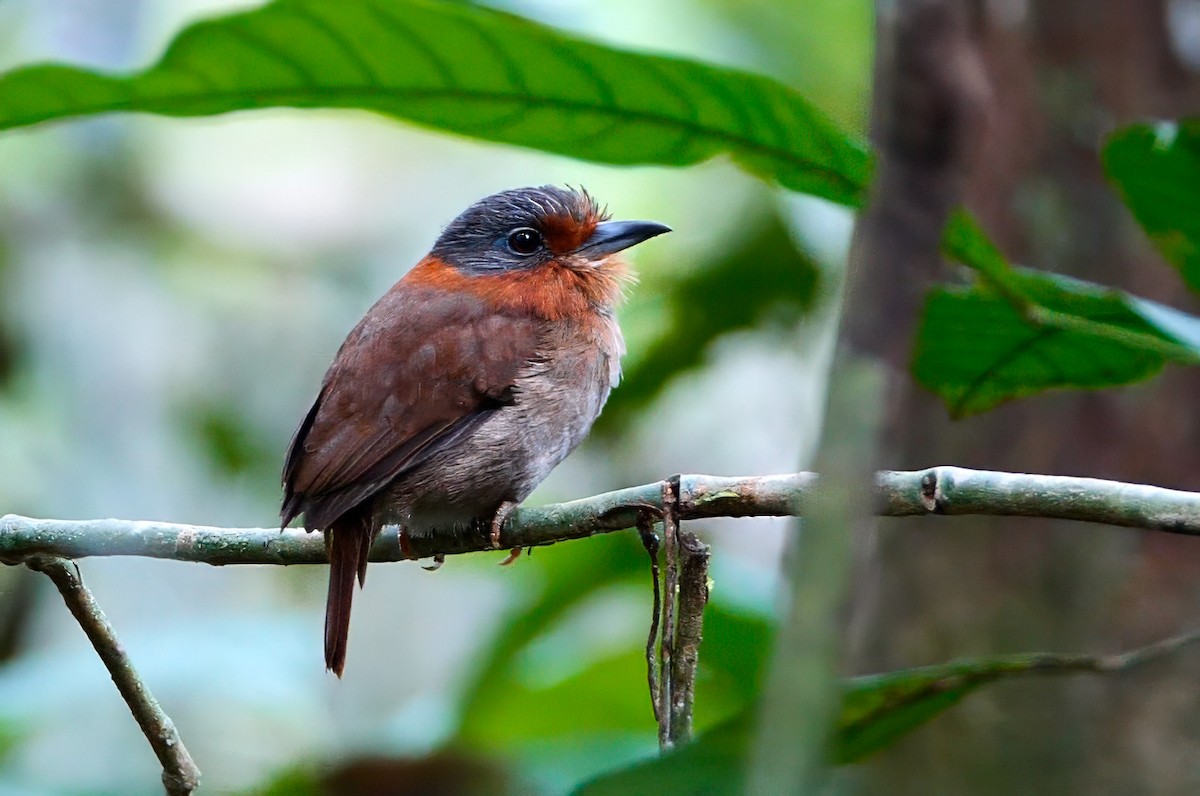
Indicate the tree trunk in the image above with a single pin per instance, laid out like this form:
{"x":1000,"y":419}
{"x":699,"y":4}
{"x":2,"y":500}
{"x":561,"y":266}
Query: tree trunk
{"x":1063,"y":74}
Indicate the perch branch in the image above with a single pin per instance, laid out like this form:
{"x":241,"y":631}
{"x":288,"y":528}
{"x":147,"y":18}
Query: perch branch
{"x":939,"y":490}
{"x":180,"y":774}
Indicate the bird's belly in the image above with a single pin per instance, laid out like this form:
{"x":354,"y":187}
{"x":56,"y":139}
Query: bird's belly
{"x":512,"y":451}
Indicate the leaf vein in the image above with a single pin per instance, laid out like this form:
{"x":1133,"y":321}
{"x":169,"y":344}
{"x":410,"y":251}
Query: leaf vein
{"x":516,"y":77}
{"x":401,"y":30}
{"x":604,"y":90}
{"x":999,"y":364}
{"x":340,"y":42}
{"x":257,"y":42}
{"x":179,"y":103}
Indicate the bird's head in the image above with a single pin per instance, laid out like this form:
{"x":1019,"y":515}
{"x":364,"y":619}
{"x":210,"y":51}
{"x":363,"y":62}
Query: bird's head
{"x":524,"y":228}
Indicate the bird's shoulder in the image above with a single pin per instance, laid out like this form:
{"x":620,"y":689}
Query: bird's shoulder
{"x":421,"y":368}
{"x":418,"y":334}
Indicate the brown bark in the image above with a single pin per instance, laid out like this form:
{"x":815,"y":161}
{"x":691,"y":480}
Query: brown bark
{"x":1062,"y":75}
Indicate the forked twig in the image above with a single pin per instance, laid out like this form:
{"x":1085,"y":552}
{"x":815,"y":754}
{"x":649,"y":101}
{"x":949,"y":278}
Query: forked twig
{"x":180,"y":774}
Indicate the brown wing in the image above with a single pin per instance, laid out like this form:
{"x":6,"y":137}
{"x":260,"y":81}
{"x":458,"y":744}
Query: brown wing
{"x":421,"y":370}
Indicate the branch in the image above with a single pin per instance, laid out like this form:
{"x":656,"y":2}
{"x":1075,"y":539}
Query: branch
{"x":180,"y":774}
{"x":939,"y":490}
{"x":877,"y":708}
{"x":685,"y":649}
{"x":666,"y":648}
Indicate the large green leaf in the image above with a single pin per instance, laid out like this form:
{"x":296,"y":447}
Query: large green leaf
{"x":710,"y":766}
{"x":470,"y":70}
{"x":976,"y":349}
{"x":1157,"y":169}
{"x":565,"y":713}
{"x":599,"y":716}
{"x":571,"y":574}
{"x":483,"y":73}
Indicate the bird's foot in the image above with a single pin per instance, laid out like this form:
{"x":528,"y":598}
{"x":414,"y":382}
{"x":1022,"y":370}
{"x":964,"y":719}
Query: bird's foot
{"x":405,"y":545}
{"x":498,"y":521}
{"x":512,"y":556}
{"x":438,"y":560}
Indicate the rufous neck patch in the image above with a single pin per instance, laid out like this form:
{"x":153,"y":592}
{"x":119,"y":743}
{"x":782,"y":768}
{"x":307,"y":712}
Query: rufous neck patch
{"x":565,"y":233}
{"x":553,"y":290}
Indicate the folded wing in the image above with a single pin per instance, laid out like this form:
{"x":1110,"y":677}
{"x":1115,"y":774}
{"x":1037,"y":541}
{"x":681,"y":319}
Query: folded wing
{"x":420,"y":371}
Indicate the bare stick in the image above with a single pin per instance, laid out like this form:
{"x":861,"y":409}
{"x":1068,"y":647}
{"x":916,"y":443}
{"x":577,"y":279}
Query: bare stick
{"x":961,"y":675}
{"x":650,"y":542}
{"x":938,"y":490}
{"x":180,"y":774}
{"x":693,"y":596}
{"x":666,"y":696}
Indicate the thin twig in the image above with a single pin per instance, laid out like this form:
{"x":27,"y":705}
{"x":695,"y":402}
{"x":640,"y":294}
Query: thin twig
{"x":650,"y":542}
{"x":1160,"y":649}
{"x":1117,"y":662}
{"x":693,"y":596}
{"x":180,"y":774}
{"x":898,"y":692}
{"x":670,"y":526}
{"x":938,"y":490}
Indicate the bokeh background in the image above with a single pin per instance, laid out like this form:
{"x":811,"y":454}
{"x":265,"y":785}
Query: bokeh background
{"x":170,"y":295}
{"x":172,"y":290}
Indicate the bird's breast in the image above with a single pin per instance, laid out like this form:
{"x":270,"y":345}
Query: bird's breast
{"x":556,"y":398}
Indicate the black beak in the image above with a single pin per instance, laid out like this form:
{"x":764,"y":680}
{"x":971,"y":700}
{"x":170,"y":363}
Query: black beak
{"x":613,"y":236}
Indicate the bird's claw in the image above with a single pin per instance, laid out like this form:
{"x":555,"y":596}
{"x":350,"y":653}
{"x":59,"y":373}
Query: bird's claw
{"x":498,"y":522}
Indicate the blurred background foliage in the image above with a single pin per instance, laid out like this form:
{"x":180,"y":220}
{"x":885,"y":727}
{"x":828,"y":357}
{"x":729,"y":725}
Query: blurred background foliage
{"x":171,"y":292}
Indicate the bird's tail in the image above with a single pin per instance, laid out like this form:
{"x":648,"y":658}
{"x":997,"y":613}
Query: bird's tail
{"x":349,"y":544}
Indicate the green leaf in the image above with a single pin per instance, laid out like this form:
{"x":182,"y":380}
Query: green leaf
{"x":572,"y":574}
{"x":479,"y":72}
{"x":300,"y":780}
{"x":483,"y":73}
{"x":976,"y":350}
{"x":470,"y":70}
{"x":710,"y":766}
{"x":607,"y":697}
{"x":877,"y":710}
{"x":1157,"y":170}
{"x":963,"y":240}
{"x":577,"y":720}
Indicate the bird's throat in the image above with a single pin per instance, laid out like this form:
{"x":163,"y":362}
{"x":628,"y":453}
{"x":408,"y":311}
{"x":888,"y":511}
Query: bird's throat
{"x":557,"y":290}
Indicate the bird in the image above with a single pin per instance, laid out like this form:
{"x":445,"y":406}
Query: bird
{"x":464,"y":385}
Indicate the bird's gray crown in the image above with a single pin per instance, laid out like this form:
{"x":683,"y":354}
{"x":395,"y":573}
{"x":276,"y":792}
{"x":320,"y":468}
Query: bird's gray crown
{"x":478,"y":241}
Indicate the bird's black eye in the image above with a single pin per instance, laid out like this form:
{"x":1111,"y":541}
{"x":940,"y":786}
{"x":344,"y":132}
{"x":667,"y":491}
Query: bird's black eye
{"x":524,"y":241}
